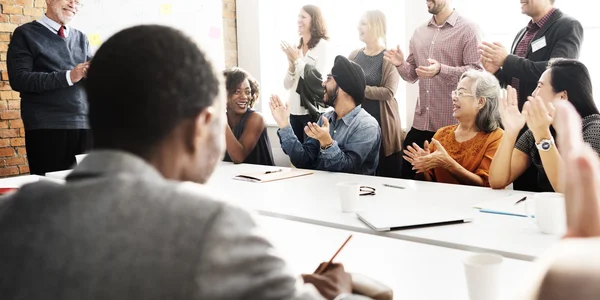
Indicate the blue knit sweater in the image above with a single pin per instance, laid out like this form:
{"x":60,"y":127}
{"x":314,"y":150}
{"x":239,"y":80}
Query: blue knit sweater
{"x":38,"y":61}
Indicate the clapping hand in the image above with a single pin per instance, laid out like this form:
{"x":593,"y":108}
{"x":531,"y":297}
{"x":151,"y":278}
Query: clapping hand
{"x":581,"y":174}
{"x":512,"y":119}
{"x":395,"y":56}
{"x":319,"y":133}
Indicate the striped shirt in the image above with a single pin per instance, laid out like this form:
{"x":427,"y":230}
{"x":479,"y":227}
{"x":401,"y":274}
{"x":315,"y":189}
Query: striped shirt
{"x":454,"y":46}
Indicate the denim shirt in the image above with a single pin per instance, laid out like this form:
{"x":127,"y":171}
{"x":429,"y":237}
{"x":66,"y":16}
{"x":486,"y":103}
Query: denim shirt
{"x":356,"y":141}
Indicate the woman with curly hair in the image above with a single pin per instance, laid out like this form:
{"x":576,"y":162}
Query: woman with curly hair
{"x":246,"y":133}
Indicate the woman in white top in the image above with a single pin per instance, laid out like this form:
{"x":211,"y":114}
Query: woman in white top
{"x":312,"y":50}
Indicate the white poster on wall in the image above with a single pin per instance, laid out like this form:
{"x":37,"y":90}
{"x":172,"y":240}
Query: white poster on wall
{"x":199,"y":19}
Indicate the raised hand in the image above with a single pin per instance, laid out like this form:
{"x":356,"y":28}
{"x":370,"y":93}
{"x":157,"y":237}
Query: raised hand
{"x":512,"y":119}
{"x":280,"y":112}
{"x":395,"y":56}
{"x":538,"y":115}
{"x":581,"y":174}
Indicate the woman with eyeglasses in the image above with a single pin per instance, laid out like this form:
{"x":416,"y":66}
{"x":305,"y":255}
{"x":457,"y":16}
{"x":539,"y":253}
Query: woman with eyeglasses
{"x":463,"y":153}
{"x":382,"y":83}
{"x":246,"y":134}
{"x":563,"y":80}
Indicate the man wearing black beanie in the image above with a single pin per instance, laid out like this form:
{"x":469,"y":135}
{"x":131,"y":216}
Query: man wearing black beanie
{"x":346,"y":139}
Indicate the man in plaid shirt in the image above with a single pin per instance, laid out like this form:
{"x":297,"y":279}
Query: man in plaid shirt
{"x":440,"y":51}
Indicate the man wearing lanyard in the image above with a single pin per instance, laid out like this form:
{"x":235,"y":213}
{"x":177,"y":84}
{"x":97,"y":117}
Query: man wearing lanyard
{"x":549,"y":34}
{"x":440,"y":51}
{"x":46,"y":62}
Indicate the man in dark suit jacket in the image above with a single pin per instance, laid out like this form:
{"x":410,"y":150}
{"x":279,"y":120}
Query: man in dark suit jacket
{"x":549,"y":34}
{"x":125,"y":225}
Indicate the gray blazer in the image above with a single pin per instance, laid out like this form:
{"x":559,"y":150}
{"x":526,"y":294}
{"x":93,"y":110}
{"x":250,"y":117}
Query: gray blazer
{"x":118,"y":230}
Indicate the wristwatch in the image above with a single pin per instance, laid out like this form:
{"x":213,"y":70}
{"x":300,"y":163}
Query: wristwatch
{"x":545,"y":144}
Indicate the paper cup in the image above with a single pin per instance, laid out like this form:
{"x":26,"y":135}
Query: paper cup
{"x":349,"y":193}
{"x":550,"y":212}
{"x":482,"y":272}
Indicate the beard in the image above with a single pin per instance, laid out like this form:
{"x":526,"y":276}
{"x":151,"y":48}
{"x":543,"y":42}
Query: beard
{"x":436,"y":8}
{"x":330,"y":96}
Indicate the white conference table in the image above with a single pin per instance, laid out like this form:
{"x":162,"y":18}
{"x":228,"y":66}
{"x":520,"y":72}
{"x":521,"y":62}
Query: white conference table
{"x":314,"y":199}
{"x":18,"y":181}
{"x":412,"y":270}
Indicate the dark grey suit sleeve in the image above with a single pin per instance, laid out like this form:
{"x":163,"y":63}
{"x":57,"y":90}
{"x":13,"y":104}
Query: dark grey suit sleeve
{"x":568,"y":45}
{"x":238,"y":262}
{"x":20,"y":69}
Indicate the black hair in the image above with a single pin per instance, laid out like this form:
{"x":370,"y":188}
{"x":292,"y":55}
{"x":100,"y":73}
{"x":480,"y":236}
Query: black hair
{"x":142,"y":83}
{"x":572,"y":76}
{"x":234,"y":77}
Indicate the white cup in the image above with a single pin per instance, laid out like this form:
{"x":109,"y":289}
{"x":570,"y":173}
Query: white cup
{"x":550,"y":212}
{"x":482,"y":272}
{"x":80,"y":157}
{"x":349,"y":193}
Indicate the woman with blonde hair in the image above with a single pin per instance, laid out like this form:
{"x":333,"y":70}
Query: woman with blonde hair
{"x":382,"y":83}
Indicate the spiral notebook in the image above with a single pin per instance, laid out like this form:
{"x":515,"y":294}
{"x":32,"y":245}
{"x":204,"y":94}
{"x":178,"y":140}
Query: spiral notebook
{"x":272,"y":175}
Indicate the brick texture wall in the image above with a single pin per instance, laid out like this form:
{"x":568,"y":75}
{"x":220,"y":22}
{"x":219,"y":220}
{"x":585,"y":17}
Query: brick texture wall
{"x":13,"y":157}
{"x":230,"y":33}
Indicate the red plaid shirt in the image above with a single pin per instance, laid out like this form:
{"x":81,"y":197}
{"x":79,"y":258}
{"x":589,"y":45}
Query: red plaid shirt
{"x":523,"y":45}
{"x":454,"y":46}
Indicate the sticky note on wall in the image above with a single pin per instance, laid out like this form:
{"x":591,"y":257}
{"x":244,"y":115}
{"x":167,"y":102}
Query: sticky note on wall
{"x":166,"y":9}
{"x":95,"y":39}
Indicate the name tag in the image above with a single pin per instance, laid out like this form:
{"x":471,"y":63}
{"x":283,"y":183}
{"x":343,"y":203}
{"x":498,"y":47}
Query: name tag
{"x":538,"y":44}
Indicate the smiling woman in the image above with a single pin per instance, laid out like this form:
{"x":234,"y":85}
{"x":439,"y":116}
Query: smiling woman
{"x":462,"y":154}
{"x":246,"y":132}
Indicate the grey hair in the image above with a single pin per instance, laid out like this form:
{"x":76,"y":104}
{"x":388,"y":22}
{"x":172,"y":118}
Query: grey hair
{"x":485,"y":85}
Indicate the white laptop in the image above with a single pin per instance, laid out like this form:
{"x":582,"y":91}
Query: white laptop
{"x":386,"y":219}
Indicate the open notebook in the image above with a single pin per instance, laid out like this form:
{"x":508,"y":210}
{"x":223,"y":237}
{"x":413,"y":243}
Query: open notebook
{"x":506,"y":205}
{"x":272,"y":175}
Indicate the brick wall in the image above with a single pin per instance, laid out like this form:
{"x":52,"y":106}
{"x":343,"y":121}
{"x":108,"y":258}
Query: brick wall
{"x":229,"y":33}
{"x":13,"y":158}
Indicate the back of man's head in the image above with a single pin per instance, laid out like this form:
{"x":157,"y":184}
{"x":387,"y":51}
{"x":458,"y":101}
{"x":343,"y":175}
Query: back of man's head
{"x":143,"y":83}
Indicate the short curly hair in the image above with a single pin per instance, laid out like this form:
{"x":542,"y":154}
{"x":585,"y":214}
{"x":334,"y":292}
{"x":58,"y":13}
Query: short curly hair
{"x":142,"y":83}
{"x":234,"y":77}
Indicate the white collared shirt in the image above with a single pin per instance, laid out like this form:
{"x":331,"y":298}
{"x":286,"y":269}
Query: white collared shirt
{"x":54,"y":27}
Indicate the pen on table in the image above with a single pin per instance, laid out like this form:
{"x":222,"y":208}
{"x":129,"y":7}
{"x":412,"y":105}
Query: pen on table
{"x":394,"y":186}
{"x":521,"y":200}
{"x":275,"y":171}
{"x":326,"y":266}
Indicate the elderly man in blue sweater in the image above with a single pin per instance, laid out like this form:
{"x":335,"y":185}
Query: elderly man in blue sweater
{"x":47,"y":61}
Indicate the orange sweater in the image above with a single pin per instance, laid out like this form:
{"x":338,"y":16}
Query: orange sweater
{"x":474,"y":155}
